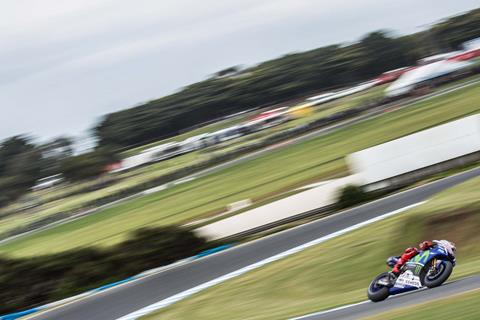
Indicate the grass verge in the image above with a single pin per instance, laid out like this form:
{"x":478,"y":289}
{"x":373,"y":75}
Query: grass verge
{"x":462,"y":306}
{"x":143,"y":174}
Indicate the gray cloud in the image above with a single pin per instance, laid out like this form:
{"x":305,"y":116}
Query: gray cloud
{"x":65,"y":63}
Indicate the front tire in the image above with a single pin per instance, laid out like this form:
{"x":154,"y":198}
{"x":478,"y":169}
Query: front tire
{"x":376,"y":292}
{"x":435,"y":280}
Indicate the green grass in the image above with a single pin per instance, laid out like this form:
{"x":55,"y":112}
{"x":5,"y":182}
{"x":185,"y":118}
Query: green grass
{"x":128,"y":179}
{"x":270,"y":174}
{"x":338,"y":271}
{"x":146,"y":173}
{"x":463,"y":306}
{"x":143,"y":174}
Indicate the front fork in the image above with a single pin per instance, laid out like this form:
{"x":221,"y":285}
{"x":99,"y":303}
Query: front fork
{"x":433,"y":268}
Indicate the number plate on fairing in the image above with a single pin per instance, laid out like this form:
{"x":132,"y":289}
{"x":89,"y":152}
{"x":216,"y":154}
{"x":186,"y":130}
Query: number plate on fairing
{"x":408,"y":279}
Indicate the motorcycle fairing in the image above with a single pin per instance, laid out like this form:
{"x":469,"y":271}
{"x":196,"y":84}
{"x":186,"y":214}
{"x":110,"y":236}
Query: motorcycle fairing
{"x":409,"y":279}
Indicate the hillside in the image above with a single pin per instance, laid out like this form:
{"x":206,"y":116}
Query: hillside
{"x":286,"y":78}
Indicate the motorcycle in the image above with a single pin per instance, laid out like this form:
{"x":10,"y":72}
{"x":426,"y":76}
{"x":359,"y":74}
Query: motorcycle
{"x":429,"y":268}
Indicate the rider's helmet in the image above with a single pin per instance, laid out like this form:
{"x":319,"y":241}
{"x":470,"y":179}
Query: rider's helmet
{"x":392,"y":261}
{"x":424,"y":245}
{"x":448,"y":245}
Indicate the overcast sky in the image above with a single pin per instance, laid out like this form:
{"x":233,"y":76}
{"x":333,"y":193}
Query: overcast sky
{"x":64,"y":63}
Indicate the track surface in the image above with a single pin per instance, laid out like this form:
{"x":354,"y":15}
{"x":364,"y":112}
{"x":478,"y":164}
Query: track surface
{"x":122,"y":300}
{"x":369,"y":308}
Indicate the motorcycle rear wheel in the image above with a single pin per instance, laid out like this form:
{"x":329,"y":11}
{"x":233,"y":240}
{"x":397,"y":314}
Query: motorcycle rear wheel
{"x":377,"y":292}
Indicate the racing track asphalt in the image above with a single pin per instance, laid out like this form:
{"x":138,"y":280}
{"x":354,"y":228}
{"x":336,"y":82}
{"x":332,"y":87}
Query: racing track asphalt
{"x":362,"y":310}
{"x":119,"y":301}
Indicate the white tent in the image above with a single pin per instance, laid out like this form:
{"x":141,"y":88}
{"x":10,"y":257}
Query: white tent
{"x":410,"y":79}
{"x":473,"y":44}
{"x":146,"y":156}
{"x":342,"y":93}
{"x":321,"y":96}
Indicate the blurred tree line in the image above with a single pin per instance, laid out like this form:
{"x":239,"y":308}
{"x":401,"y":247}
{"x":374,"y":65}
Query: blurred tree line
{"x":20,"y":167}
{"x":23,"y":162}
{"x":280,"y":80}
{"x":25,"y":283}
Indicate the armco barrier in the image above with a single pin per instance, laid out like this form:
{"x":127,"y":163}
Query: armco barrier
{"x":18,"y":315}
{"x":212,"y":251}
{"x":13,"y":316}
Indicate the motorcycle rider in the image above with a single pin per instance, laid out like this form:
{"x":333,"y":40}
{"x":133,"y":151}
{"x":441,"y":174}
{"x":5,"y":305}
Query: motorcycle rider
{"x":398,"y":262}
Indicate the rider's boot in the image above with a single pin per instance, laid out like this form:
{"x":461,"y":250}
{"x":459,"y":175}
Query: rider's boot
{"x":392,"y":278}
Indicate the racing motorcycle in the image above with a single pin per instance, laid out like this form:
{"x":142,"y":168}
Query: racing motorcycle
{"x":429,"y":268}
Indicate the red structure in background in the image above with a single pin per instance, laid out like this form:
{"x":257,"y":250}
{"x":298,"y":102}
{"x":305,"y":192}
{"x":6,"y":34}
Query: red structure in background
{"x":269,"y":114}
{"x":391,"y":75}
{"x":471,"y":54}
{"x":112,"y":166}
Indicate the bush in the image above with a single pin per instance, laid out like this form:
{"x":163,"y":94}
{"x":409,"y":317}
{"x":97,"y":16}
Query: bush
{"x":351,"y":195}
{"x":26,"y":283}
{"x":82,"y":167}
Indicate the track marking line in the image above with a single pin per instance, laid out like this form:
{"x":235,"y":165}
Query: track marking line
{"x":349,"y":210}
{"x":187,"y":293}
{"x":330,"y":310}
{"x":161,"y":269}
{"x":426,"y":301}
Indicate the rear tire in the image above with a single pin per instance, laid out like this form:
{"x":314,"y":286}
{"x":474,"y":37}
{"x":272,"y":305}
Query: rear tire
{"x":437,"y":280}
{"x":378,"y":293}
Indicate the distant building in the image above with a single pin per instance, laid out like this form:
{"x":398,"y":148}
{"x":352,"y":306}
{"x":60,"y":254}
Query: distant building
{"x":48,"y":182}
{"x":423,"y":75}
{"x":471,"y":51}
{"x":391,"y":75}
{"x":438,"y":57}
{"x":267,"y":119}
{"x":473,"y":44}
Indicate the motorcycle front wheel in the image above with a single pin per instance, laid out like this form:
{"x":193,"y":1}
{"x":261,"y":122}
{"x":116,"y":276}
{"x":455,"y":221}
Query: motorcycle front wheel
{"x":435,"y":275}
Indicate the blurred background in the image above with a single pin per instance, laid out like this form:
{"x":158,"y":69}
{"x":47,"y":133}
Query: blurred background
{"x":135,"y":136}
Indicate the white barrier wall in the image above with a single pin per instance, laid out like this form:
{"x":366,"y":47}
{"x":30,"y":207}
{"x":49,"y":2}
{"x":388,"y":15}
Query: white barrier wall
{"x":418,"y":150}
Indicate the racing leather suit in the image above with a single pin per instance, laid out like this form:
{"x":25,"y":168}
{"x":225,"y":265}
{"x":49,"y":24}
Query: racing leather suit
{"x":407,"y":255}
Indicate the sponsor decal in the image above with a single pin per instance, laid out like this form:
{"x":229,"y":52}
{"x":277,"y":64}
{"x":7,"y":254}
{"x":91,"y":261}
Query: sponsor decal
{"x":421,"y":257}
{"x":408,"y":279}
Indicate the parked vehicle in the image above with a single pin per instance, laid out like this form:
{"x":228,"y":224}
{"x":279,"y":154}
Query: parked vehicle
{"x":225,"y":135}
{"x":168,"y":150}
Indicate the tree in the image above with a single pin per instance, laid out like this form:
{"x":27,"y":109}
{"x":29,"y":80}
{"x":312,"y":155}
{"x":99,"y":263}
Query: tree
{"x":20,"y":167}
{"x":12,"y":147}
{"x":280,"y":80}
{"x":382,"y":52}
{"x":25,"y":283}
{"x":228,"y":71}
{"x":351,"y":195}
{"x":85,"y":166}
{"x":53,"y":153}
{"x":450,"y":34}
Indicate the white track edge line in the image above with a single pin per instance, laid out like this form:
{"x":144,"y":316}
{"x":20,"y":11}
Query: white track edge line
{"x":187,"y":293}
{"x":330,"y":310}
